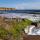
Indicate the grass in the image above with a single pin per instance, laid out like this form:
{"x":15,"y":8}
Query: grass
{"x":3,"y":33}
{"x":16,"y":28}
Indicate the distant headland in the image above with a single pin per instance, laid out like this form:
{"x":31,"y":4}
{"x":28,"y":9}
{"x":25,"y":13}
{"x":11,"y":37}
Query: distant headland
{"x":3,"y":8}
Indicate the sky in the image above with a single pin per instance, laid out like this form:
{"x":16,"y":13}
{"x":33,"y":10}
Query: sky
{"x":21,"y":4}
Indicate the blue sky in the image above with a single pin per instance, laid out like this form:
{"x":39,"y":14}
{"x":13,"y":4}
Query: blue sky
{"x":21,"y":4}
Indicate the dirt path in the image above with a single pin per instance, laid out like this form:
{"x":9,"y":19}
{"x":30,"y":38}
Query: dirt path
{"x":31,"y":37}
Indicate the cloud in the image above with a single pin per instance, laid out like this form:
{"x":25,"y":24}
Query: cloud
{"x":34,"y":5}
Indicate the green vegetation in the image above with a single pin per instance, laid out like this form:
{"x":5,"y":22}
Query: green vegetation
{"x":18,"y":26}
{"x":15,"y":29}
{"x":3,"y":33}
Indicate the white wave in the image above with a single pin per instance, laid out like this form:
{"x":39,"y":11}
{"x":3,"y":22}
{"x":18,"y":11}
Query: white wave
{"x":32,"y":17}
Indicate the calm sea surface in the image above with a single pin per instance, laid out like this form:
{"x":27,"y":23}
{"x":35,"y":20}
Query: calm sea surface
{"x":19,"y":11}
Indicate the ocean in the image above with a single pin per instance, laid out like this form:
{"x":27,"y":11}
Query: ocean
{"x":29,"y":14}
{"x":19,"y":11}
